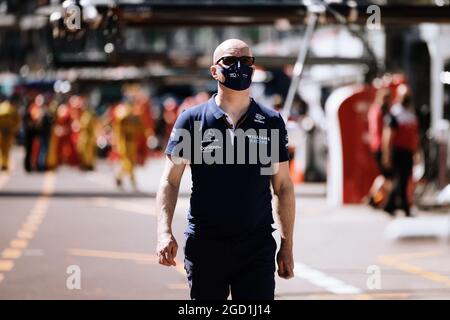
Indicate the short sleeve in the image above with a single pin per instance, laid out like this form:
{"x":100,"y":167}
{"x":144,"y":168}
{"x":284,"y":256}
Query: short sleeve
{"x":283,"y":154}
{"x":180,"y":132}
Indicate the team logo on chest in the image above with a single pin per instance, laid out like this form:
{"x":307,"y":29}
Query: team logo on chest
{"x":259,"y":118}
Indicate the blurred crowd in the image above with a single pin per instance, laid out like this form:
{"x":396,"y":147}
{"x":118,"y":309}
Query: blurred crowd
{"x":70,"y":129}
{"x":57,"y":129}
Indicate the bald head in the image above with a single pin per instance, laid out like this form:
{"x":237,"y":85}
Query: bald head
{"x":231,"y":47}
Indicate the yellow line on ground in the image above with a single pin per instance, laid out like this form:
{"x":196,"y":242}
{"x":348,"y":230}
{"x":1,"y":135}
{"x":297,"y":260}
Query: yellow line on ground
{"x":48,"y":186}
{"x":415,"y":255}
{"x":9,"y":253}
{"x":35,"y":220}
{"x":374,"y":296}
{"x":25,"y":234}
{"x":139,"y":257}
{"x":400,"y":264}
{"x":363,"y":296}
{"x":6,"y":265}
{"x":120,"y":255}
{"x":29,"y":227}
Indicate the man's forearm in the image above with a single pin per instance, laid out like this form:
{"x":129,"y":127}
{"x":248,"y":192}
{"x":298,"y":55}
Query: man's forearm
{"x":166,"y":200}
{"x":286,"y":213}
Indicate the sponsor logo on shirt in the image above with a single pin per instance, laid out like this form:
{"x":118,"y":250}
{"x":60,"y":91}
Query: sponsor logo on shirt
{"x":258,"y":139}
{"x":209,"y":136}
{"x":259,"y":118}
{"x":208,"y":142}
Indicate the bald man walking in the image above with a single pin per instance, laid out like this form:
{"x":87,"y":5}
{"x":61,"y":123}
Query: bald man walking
{"x":229,"y":244}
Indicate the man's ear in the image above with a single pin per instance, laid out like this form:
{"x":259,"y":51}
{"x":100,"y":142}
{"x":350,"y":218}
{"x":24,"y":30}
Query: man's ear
{"x":215,"y":73}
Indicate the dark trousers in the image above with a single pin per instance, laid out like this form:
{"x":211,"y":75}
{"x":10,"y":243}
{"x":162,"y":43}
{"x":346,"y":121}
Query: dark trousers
{"x":383,"y":171}
{"x":28,"y":144}
{"x":402,"y":164}
{"x":245,"y":267}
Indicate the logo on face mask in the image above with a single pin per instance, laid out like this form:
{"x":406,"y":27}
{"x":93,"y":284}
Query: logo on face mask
{"x":237,"y":76}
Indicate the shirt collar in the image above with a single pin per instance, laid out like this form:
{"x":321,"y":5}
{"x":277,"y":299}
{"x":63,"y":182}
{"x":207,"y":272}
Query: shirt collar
{"x":218,"y":112}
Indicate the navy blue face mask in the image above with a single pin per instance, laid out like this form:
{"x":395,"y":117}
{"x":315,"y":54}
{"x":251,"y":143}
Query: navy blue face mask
{"x":238,"y":76}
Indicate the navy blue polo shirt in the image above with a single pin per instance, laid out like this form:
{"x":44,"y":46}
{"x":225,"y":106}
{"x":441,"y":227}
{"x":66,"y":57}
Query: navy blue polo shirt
{"x":231,"y":195}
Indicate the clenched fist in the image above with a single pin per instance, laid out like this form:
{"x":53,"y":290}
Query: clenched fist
{"x":167,"y":249}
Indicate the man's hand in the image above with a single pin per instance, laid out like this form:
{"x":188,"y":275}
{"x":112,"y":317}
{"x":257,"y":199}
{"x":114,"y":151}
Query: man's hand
{"x":285,"y":260}
{"x":167,"y":249}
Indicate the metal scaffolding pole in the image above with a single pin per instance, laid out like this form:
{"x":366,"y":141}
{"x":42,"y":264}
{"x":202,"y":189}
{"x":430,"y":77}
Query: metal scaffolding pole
{"x":301,"y":57}
{"x":314,"y":10}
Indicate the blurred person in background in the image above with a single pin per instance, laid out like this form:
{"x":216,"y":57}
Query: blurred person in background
{"x":191,"y":101}
{"x":75,"y":104}
{"x":87,"y":139}
{"x":299,"y":110}
{"x":9,"y":126}
{"x":170,"y":108}
{"x":31,"y":125}
{"x":201,"y":97}
{"x":109,"y":130}
{"x":65,"y":151}
{"x":376,"y":115}
{"x":277,"y":102}
{"x":128,"y":127}
{"x":52,"y":156}
{"x":44,"y":133}
{"x":187,"y":103}
{"x":400,"y":142}
{"x":142,"y":106}
{"x":377,"y":112}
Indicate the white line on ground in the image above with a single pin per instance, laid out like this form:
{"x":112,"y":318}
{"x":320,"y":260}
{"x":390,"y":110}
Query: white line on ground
{"x":323,"y":280}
